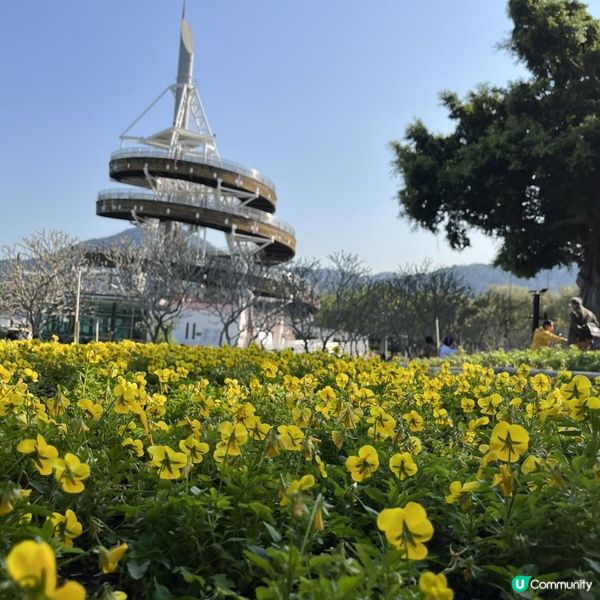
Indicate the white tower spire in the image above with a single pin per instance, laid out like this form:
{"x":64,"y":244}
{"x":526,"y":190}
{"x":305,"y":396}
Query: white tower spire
{"x":190,"y":131}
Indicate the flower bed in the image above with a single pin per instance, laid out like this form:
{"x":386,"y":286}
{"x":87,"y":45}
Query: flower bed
{"x":170,"y":472}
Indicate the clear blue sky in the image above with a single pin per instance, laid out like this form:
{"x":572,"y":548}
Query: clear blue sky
{"x":310,"y":93}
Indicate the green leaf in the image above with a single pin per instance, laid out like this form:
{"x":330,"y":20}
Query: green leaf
{"x":275,"y":535}
{"x":188,"y":576}
{"x":260,"y":562}
{"x":160,"y":592}
{"x":347,"y":584}
{"x":593,"y":564}
{"x":137,"y":569}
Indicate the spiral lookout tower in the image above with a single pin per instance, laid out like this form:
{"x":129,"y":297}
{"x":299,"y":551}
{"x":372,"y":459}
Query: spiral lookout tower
{"x":179,"y":177}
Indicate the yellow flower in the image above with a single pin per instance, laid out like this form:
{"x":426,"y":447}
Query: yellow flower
{"x":32,"y":566}
{"x":257,"y":430}
{"x":290,"y":437}
{"x":337,"y":437}
{"x":168,"y":462}
{"x":406,"y":529}
{"x":531,"y":464}
{"x":540,"y":383}
{"x":301,"y":416}
{"x":403,"y":465}
{"x":269,"y":369}
{"x":578,"y":406}
{"x":70,"y":473}
{"x":435,"y":587}
{"x":232,"y":437}
{"x":361,"y":467}
{"x":467,"y":405}
{"x":489,"y":405}
{"x":504,"y":480}
{"x":298,"y":485}
{"x":349,"y":415}
{"x":341,"y":380}
{"x":109,"y":559}
{"x":321,"y":465}
{"x":95,"y":410}
{"x":415,"y":444}
{"x":414,"y":421}
{"x":10,"y":497}
{"x":461,"y":492}
{"x":194,"y":449}
{"x":136,"y":446}
{"x":509,"y":441}
{"x":579,"y":387}
{"x":44,"y":454}
{"x":383,"y":423}
{"x":66,"y":527}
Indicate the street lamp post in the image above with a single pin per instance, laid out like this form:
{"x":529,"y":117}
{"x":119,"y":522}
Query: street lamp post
{"x":536,"y":307}
{"x":77,"y":302}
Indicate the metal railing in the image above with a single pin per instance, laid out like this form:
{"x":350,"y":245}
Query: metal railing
{"x":207,"y":202}
{"x":194,"y":158}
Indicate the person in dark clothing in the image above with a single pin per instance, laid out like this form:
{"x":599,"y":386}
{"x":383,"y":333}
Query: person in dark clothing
{"x":584,"y":329}
{"x":429,"y":349}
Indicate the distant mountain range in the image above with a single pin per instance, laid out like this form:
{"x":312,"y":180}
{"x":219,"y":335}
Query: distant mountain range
{"x":479,"y":277}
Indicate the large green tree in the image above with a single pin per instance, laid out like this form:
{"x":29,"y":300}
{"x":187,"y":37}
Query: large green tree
{"x":523,"y":161}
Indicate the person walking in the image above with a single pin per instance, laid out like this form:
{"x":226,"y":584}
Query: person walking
{"x":584,"y":329}
{"x":544,"y":336}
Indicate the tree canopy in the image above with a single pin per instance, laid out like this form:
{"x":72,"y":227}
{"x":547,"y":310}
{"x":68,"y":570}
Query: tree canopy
{"x":523,"y":161}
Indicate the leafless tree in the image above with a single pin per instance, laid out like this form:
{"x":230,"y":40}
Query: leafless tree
{"x":229,"y":291}
{"x":159,"y":275}
{"x":340,"y":307}
{"x":39,"y":277}
{"x":300,"y":284}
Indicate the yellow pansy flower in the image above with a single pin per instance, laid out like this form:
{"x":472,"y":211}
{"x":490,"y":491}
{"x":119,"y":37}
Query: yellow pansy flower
{"x":298,"y":485}
{"x":66,"y":527}
{"x":109,"y":559}
{"x":509,"y":441}
{"x":168,"y":462}
{"x":531,"y":464}
{"x":489,"y":404}
{"x":32,"y":566}
{"x":10,"y":497}
{"x":579,"y":387}
{"x":194,"y":448}
{"x":95,"y":410}
{"x":290,"y":437}
{"x":579,"y":406}
{"x":504,"y":480}
{"x":338,"y":437}
{"x":407,"y":529}
{"x":403,"y":465}
{"x":136,"y":446}
{"x":461,"y":492}
{"x":434,"y":587}
{"x":44,"y":454}
{"x":361,"y":467}
{"x":257,"y":430}
{"x":232,"y":437}
{"x":70,"y":472}
{"x":540,"y":383}
{"x":414,"y":421}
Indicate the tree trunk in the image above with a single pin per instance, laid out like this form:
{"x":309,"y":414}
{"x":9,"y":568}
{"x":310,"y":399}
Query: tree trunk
{"x":588,"y":278}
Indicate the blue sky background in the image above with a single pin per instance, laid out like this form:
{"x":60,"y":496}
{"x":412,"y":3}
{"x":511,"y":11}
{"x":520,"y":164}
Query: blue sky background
{"x":310,"y":93}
